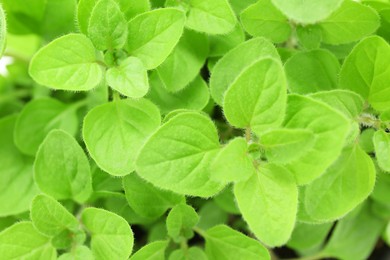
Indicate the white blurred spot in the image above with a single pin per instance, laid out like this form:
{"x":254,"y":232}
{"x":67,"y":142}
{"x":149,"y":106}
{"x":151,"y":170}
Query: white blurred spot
{"x":4,"y":61}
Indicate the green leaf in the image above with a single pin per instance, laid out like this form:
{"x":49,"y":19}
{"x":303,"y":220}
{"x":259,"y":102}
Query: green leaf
{"x":226,"y":201}
{"x":184,"y":63}
{"x":366,"y":140}
{"x":211,"y":17}
{"x":221,"y":44}
{"x":286,"y":145}
{"x":178,"y":155}
{"x":111,"y":235}
{"x":147,"y":200}
{"x":161,"y":30}
{"x":307,"y":11}
{"x":307,"y":113}
{"x":68,"y":239}
{"x":79,"y":253}
{"x":180,"y":221}
{"x":210,"y":215}
{"x":16,"y":183}
{"x":237,"y":60}
{"x":382,"y":149}
{"x":308,"y":236}
{"x":355,"y":235}
{"x":115,"y":132}
{"x":195,"y":96}
{"x":312,"y":71}
{"x":38,"y":118}
{"x":130,"y":78}
{"x":233,"y":163}
{"x":22,"y":241}
{"x":365,"y":72}
{"x":264,"y":19}
{"x":67,"y":63}
{"x":152,"y":251}
{"x":50,"y":217}
{"x":3,"y":31}
{"x":61,"y":168}
{"x":223,"y":242}
{"x":107,"y":26}
{"x":257,"y":97}
{"x":264,"y":198}
{"x":350,"y":22}
{"x":309,"y":36}
{"x":192,"y":253}
{"x":343,"y":186}
{"x":381,"y":191}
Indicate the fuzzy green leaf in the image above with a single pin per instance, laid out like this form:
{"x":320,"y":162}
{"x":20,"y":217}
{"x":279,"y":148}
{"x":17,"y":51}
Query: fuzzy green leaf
{"x":61,"y":168}
{"x":22,"y":241}
{"x":307,"y":11}
{"x":264,"y":19}
{"x":38,"y":118}
{"x":130,"y":78}
{"x":3,"y":31}
{"x":107,"y":26}
{"x":221,"y":44}
{"x":365,"y":71}
{"x":233,"y":162}
{"x":152,"y":251}
{"x":312,"y":71}
{"x":178,"y":155}
{"x":211,"y":17}
{"x":237,"y":60}
{"x":192,"y":253}
{"x":79,"y":253}
{"x":223,"y":242}
{"x":264,"y":198}
{"x":115,"y":132}
{"x":67,"y":63}
{"x":343,"y":186}
{"x":257,"y":97}
{"x":307,"y":113}
{"x":112,"y":237}
{"x":382,"y":149}
{"x":180,"y":221}
{"x":285,"y":145}
{"x":147,"y":200}
{"x":161,"y":30}
{"x":350,"y":22}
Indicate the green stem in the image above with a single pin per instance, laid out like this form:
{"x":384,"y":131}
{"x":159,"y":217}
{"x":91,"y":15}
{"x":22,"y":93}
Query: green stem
{"x":200,"y":231}
{"x":78,"y":104}
{"x":248,"y":134}
{"x":369,"y":121}
{"x":116,"y":96}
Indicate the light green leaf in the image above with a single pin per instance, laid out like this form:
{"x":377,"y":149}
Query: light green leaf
{"x":16,"y":183}
{"x":178,"y":155}
{"x":147,"y":200}
{"x":268,"y":202}
{"x":233,"y":163}
{"x":210,"y":215}
{"x":152,"y":251}
{"x":79,"y":253}
{"x":192,"y":253}
{"x":180,"y":221}
{"x":309,"y":36}
{"x":184,"y":63}
{"x":365,"y":71}
{"x":130,"y":78}
{"x":50,"y":217}
{"x":67,"y":63}
{"x":343,"y":186}
{"x":116,"y":131}
{"x":38,"y":118}
{"x":381,"y":193}
{"x":264,"y":19}
{"x":221,"y":44}
{"x":355,"y":235}
{"x":22,"y":241}
{"x":61,"y":168}
{"x":237,"y":60}
{"x":3,"y":31}
{"x":312,"y":71}
{"x":382,"y":149}
{"x":223,"y":242}
{"x":257,"y":97}
{"x":285,"y":145}
{"x":350,"y":22}
{"x":111,"y":235}
{"x":67,"y":239}
{"x":307,"y":11}
{"x":226,"y":201}
{"x":161,"y":30}
{"x":107,"y":26}
{"x":307,"y":236}
{"x":194,"y":97}
{"x":211,"y":17}
{"x":307,"y":113}
{"x":366,"y":140}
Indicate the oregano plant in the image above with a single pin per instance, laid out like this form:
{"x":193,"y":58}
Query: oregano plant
{"x":194,"y":129}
